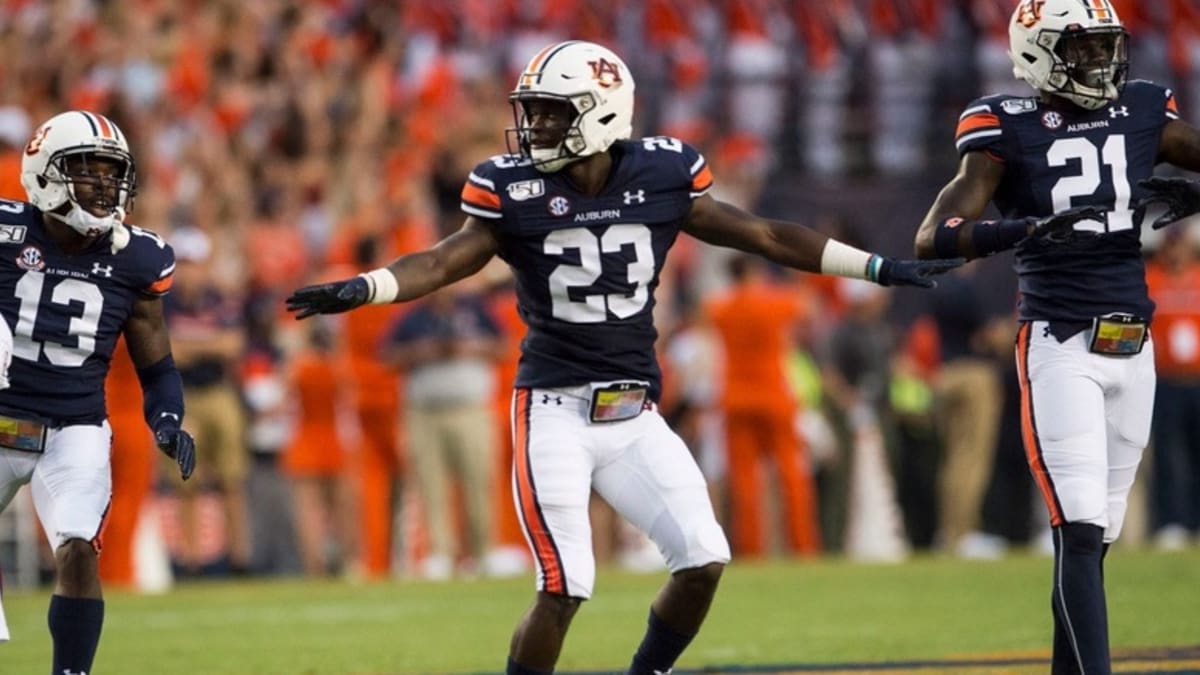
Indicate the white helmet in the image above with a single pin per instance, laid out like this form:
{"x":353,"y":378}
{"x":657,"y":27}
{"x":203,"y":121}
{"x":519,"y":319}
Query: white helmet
{"x":81,"y":137}
{"x":1076,"y":49}
{"x":597,"y":86}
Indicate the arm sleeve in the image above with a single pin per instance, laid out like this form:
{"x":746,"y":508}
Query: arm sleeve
{"x":162,"y":391}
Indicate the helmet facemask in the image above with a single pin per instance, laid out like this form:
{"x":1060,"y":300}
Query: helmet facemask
{"x":1090,"y":66}
{"x":99,"y":186}
{"x":555,"y":142}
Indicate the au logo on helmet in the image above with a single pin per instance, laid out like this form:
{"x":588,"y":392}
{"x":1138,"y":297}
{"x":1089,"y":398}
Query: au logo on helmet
{"x":1030,"y":12}
{"x":605,"y":72}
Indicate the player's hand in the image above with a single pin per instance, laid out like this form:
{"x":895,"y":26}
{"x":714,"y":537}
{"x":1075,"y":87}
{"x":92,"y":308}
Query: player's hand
{"x":1180,"y":195}
{"x":179,"y":446}
{"x":331,"y":298}
{"x":893,"y":272}
{"x":1060,"y":227}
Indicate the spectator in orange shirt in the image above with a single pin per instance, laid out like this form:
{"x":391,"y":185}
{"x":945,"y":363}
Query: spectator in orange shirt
{"x":1174,"y":279}
{"x":754,"y":320}
{"x":315,"y":459}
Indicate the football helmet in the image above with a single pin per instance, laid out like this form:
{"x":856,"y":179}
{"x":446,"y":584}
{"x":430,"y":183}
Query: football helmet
{"x":60,"y":166}
{"x":597,"y":90}
{"x":1076,"y":49}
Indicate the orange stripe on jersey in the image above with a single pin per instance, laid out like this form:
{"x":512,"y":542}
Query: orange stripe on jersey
{"x":702,"y":180}
{"x":473,"y":194}
{"x":553,"y":578}
{"x":1033,"y":450}
{"x":1172,"y":105}
{"x":976,"y":122}
{"x":162,"y":285}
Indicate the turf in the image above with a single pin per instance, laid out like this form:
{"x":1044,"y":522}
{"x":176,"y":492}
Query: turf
{"x":827,"y":611}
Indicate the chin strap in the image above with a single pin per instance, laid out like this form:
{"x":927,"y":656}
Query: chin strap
{"x":120,"y":236}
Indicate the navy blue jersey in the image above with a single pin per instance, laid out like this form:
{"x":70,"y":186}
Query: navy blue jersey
{"x":1058,"y":159}
{"x":66,"y":313}
{"x":586,"y":267}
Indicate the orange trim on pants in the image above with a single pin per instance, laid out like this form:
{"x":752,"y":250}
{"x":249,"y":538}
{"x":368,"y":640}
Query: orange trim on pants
{"x":544,"y":550}
{"x":752,"y":437}
{"x":1033,"y":449}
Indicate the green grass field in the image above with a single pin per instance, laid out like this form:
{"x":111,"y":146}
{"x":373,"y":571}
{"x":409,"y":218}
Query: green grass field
{"x":776,"y":613}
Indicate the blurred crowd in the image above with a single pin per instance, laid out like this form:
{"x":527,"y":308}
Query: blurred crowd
{"x":281,"y":143}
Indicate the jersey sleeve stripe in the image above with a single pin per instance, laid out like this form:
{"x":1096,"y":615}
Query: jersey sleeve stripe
{"x":1172,"y":106}
{"x":702,"y":181}
{"x":482,"y":182}
{"x":975,"y":109}
{"x":485,"y":199}
{"x":978,"y":134}
{"x":977,"y":121}
{"x":482,"y":213}
{"x":161,"y":286}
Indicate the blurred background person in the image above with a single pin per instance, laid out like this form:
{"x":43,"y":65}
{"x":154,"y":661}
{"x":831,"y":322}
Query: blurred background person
{"x":446,"y":345}
{"x":1173,"y":276}
{"x":206,"y":337}
{"x":967,"y":406}
{"x":315,"y":458}
{"x":755,"y":321}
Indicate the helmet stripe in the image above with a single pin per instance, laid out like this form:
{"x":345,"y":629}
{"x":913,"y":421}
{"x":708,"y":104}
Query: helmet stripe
{"x":105,"y":127}
{"x":92,"y":122}
{"x":1101,"y":10}
{"x":533,"y":73}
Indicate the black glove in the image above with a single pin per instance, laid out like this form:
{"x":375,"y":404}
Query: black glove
{"x":179,"y":446}
{"x":1180,"y":195}
{"x":894,"y":272}
{"x":331,"y":298}
{"x":1060,"y":227}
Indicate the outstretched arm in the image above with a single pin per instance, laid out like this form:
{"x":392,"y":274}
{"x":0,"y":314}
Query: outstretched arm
{"x":802,"y":248}
{"x":408,"y":277}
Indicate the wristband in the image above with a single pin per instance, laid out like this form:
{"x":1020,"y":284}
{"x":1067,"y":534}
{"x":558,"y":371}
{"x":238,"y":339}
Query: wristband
{"x":841,"y":260}
{"x":382,"y":286}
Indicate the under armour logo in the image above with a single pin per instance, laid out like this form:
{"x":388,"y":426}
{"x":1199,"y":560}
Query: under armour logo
{"x":1114,"y":113}
{"x":68,"y":671}
{"x":1046,"y":331}
{"x":546,"y":398}
{"x":639,"y":196}
{"x":102,"y":270}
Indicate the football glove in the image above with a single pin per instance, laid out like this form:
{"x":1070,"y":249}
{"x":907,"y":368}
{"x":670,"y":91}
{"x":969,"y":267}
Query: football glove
{"x":893,"y":272}
{"x":1060,"y":227}
{"x":1180,"y":195}
{"x":330,"y":298}
{"x":179,"y":446}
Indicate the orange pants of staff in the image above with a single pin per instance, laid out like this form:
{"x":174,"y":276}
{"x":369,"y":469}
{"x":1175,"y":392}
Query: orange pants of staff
{"x":378,"y":468}
{"x":754,"y":436}
{"x":133,"y":466}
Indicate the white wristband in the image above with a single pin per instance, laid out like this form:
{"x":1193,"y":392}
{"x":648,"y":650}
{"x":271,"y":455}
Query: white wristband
{"x":841,"y":260}
{"x":383,"y":286}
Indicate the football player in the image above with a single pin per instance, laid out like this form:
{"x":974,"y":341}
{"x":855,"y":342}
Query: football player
{"x":1075,"y":161}
{"x":73,"y":278}
{"x":585,"y":216}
